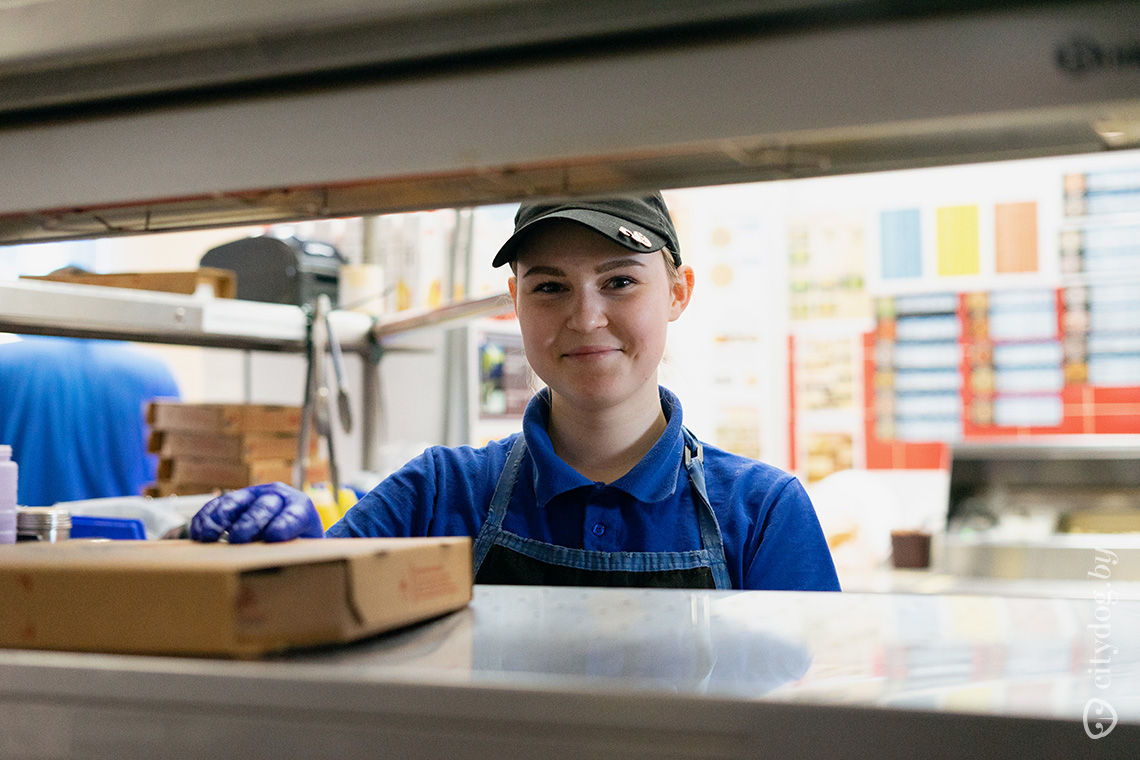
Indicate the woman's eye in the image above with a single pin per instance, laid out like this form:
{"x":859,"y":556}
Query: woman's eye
{"x":549,"y":287}
{"x":619,"y":282}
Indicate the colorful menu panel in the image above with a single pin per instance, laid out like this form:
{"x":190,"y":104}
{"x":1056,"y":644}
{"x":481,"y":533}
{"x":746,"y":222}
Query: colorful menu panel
{"x":827,"y":453}
{"x":958,"y":249}
{"x":827,"y":262}
{"x":1101,"y":244}
{"x":995,"y":333}
{"x":917,"y":385}
{"x":824,"y":368}
{"x":1014,"y":368}
{"x":1015,"y":237}
{"x":901,"y":243}
{"x":1104,"y":348}
{"x":1102,"y":193}
{"x":1030,"y":365}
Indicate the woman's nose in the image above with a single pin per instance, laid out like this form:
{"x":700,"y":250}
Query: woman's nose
{"x":587,"y":312}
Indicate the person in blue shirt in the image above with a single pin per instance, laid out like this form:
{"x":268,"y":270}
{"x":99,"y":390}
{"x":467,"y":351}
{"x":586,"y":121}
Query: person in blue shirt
{"x":604,"y":486}
{"x":74,"y":412}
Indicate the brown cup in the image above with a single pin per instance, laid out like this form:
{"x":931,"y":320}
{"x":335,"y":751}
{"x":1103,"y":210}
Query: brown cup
{"x":910,"y":548}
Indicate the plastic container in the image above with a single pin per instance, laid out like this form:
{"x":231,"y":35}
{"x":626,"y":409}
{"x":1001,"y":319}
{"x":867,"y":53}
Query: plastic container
{"x":119,"y":528}
{"x":159,"y":516}
{"x":329,"y":510}
{"x":8,"y":475}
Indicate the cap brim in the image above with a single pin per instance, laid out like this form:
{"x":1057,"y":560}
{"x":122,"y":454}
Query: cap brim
{"x":606,"y":225}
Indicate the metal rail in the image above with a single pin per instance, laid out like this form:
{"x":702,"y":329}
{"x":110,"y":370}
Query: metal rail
{"x":88,"y":311}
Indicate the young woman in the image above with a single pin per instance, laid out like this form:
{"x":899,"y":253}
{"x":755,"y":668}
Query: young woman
{"x":603,"y":486}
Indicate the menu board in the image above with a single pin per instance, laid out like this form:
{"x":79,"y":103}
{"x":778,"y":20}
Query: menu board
{"x":917,"y":354}
{"x":827,"y":265}
{"x":1016,"y":361}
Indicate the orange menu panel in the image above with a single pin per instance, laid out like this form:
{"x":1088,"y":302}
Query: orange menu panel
{"x":1015,"y":237}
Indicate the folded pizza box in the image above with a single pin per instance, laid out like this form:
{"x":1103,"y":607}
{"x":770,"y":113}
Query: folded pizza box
{"x":224,"y":600}
{"x":252,"y":418}
{"x":225,"y":474}
{"x":315,"y":472}
{"x":231,"y":447}
{"x":162,"y":488}
{"x":217,"y":474}
{"x":223,"y":282}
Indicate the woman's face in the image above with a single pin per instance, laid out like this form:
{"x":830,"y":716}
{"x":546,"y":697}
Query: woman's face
{"x":594,"y":314}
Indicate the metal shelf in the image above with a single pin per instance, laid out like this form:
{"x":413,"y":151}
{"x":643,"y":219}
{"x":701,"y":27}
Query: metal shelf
{"x":90,"y":311}
{"x":557,"y":99}
{"x":87,"y":311}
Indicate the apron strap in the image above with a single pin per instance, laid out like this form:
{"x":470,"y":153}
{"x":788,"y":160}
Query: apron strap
{"x":499,"y":502}
{"x":712,"y":539}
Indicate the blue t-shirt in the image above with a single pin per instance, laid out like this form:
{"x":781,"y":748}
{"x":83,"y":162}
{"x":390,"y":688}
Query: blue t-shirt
{"x":772,"y":538}
{"x":74,"y":413}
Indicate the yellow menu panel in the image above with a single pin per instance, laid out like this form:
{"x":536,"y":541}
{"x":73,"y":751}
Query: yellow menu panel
{"x":958,"y":240}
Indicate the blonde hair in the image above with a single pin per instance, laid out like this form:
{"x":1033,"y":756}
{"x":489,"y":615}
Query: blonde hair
{"x":671,"y":269}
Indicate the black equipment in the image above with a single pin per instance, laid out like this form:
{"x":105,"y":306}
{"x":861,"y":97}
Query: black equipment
{"x":277,"y":270}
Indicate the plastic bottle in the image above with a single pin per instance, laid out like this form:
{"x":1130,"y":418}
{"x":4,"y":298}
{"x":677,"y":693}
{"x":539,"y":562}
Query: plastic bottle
{"x":8,"y":473}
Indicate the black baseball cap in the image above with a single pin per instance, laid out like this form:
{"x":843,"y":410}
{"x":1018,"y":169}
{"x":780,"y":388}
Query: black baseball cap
{"x":640,"y":223}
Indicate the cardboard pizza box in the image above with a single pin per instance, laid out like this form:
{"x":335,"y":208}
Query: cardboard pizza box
{"x":224,"y":600}
{"x":222,"y":282}
{"x":231,"y":447}
{"x":252,"y":418}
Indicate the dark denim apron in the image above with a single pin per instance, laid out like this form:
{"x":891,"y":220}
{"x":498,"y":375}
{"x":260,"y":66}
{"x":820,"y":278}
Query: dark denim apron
{"x":502,"y":557}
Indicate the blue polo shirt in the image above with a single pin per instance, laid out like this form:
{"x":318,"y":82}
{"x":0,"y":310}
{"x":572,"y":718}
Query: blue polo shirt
{"x":772,"y":538}
{"x":74,"y":412}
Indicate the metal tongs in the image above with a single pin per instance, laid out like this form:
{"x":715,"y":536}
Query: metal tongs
{"x":316,"y":413}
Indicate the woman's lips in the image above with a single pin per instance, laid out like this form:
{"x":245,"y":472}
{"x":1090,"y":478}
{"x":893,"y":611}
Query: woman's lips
{"x":589,"y":352}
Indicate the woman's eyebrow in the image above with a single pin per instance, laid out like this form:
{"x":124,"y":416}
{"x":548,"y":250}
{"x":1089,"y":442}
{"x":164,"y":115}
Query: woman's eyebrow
{"x":606,"y":266}
{"x":543,"y":270}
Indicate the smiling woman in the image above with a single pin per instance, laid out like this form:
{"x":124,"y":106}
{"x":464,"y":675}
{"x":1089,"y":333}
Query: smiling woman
{"x":604,"y":486}
{"x":593,"y":319}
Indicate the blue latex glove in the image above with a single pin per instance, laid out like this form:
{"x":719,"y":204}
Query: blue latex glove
{"x":269,"y":512}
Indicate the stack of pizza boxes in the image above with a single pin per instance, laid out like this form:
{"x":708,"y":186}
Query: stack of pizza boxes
{"x":204,"y":448}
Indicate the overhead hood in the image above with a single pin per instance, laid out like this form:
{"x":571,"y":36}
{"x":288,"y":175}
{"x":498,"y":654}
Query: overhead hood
{"x":155,"y":116}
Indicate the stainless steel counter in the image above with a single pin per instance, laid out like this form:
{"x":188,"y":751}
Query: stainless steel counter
{"x":935,"y":581}
{"x":554,"y":672}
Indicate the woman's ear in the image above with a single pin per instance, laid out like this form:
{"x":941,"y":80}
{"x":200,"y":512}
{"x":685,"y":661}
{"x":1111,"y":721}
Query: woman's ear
{"x":512,"y":286}
{"x":682,"y":290}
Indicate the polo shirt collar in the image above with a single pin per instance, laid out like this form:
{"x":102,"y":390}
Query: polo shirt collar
{"x":651,"y":480}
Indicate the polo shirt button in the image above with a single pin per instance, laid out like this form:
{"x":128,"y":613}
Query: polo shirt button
{"x":599,"y":529}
